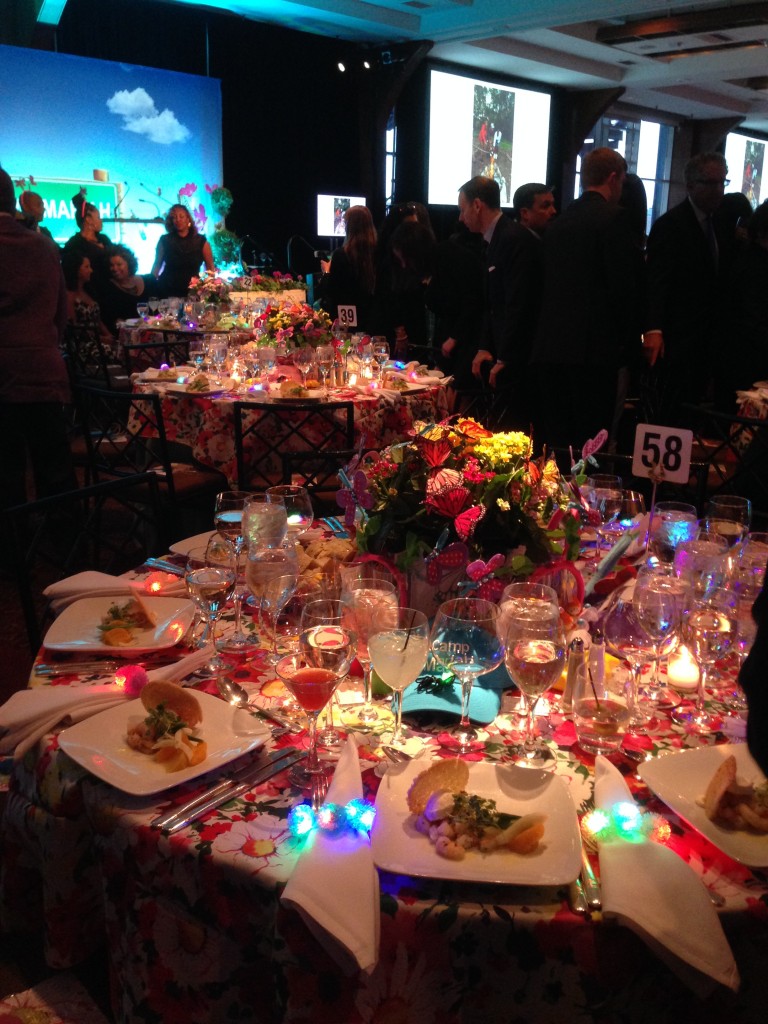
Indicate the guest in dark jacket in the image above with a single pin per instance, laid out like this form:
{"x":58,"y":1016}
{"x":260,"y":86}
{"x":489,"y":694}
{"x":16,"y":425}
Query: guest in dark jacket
{"x":33,"y":376}
{"x":351,"y":274}
{"x":180,"y":253}
{"x":754,"y":680}
{"x":746,"y":304}
{"x":91,"y":242}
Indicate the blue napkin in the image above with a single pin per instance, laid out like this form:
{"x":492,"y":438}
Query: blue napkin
{"x":484,"y":700}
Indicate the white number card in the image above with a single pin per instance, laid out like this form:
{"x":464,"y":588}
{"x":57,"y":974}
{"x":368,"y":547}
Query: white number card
{"x":662,"y":453}
{"x":348,"y":316}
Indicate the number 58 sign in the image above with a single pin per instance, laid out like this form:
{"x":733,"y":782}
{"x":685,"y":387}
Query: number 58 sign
{"x":662,"y":453}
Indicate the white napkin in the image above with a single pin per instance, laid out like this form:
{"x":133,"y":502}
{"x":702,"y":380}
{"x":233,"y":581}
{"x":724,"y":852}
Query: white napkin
{"x":101,"y":584}
{"x":28,"y":715}
{"x":651,"y":890}
{"x":335,"y":886}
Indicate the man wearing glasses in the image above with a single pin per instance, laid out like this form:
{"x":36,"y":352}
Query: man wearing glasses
{"x":685,"y":272}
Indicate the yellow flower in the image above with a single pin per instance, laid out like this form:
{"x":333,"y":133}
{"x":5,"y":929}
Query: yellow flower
{"x":503,"y":504}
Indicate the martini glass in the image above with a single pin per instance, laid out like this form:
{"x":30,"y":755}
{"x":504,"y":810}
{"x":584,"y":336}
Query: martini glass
{"x":312,"y":675}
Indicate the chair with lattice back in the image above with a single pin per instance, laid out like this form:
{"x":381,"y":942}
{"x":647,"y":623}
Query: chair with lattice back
{"x":172,"y":349}
{"x":125,"y":434}
{"x":111,"y":526}
{"x":319,"y":473}
{"x":89,"y":362}
{"x":265,"y":432}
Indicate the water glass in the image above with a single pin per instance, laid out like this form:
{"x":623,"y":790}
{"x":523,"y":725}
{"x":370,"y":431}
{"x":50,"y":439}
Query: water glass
{"x":265,"y":522}
{"x":142,"y":308}
{"x":672,"y":522}
{"x":703,"y":564}
{"x":267,"y":359}
{"x":298,"y":507}
{"x":602,"y":709}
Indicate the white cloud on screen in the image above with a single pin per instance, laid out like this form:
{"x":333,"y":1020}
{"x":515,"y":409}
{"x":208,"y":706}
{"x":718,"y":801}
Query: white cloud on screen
{"x":140,"y":115}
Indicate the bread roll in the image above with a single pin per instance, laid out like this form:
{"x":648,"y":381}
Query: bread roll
{"x":174,"y":698}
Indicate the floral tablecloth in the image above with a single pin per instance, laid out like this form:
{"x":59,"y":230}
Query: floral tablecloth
{"x":196,"y":933}
{"x":206,"y":426}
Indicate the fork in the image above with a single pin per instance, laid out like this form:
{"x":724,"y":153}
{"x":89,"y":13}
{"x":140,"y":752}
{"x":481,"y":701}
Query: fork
{"x":320,"y":783}
{"x":335,"y":526}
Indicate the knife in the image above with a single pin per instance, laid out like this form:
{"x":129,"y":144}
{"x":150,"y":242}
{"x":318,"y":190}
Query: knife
{"x":576,"y":899}
{"x":589,"y":880}
{"x":77,"y":668}
{"x":160,"y":563}
{"x":228,"y":789}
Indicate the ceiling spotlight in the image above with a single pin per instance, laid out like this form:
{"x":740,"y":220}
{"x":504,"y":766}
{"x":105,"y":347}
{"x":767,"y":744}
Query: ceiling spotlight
{"x":367,"y":65}
{"x":341,"y":67}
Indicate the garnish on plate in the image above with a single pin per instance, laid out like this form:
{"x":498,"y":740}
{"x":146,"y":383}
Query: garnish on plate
{"x":740,"y":805}
{"x":118,"y":625}
{"x":170,"y":731}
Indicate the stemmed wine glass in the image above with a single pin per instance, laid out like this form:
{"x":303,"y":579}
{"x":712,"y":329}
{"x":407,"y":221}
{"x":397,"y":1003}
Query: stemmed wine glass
{"x":142,"y":308}
{"x":534,"y":653}
{"x":312,"y":675}
{"x":210,"y":578}
{"x":303,"y":358}
{"x":298,"y":507}
{"x":730,"y":506}
{"x":535,"y":599}
{"x":217,"y":353}
{"x":267,"y":360}
{"x":604,"y":494}
{"x":398,"y":654}
{"x":228,"y":520}
{"x":367,"y":604}
{"x":380,"y":348}
{"x":659,"y":601}
{"x":710,"y":629}
{"x":628,"y":640}
{"x":324,"y":357}
{"x":152,"y":304}
{"x":703,"y":564}
{"x":464,"y":641}
{"x":323,"y":611}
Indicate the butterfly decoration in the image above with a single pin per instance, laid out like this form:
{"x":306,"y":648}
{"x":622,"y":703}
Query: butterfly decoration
{"x":467,"y":520}
{"x":480,"y":573}
{"x":200,"y":217}
{"x":433,"y":451}
{"x":188,"y":190}
{"x":449,"y":502}
{"x":355,"y":494}
{"x":445,"y":562}
{"x":591,"y":446}
{"x":441,"y":479}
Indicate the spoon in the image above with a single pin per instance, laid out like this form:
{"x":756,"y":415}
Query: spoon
{"x":238,"y":696}
{"x":396,"y":755}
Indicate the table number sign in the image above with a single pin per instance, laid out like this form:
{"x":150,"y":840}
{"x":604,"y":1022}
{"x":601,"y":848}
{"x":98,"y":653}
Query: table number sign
{"x":662,"y":453}
{"x":347,"y":316}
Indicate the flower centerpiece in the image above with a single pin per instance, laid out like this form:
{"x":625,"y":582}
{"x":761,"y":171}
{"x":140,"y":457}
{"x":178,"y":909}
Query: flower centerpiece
{"x":459,"y":484}
{"x":210,"y":289}
{"x":277,"y":282}
{"x":296,"y":322}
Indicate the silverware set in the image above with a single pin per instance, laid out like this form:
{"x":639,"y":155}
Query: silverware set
{"x":336,"y":527}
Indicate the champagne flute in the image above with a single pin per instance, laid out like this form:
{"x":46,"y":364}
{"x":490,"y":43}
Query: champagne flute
{"x":464,"y":641}
{"x":710,"y":629}
{"x":367,"y":605}
{"x":228,"y":520}
{"x":398,"y":654}
{"x":534,"y":653}
{"x":312,"y":675}
{"x":298,"y":507}
{"x":210,"y":579}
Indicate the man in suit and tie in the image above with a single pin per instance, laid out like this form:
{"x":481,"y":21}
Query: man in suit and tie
{"x":513,"y":285}
{"x":685,"y":270}
{"x":591,"y":314}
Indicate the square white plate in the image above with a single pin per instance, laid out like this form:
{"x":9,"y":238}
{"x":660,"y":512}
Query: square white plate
{"x":200,"y":540}
{"x":398,"y":847}
{"x":681,"y":780}
{"x":77,"y":628}
{"x":99,"y":744}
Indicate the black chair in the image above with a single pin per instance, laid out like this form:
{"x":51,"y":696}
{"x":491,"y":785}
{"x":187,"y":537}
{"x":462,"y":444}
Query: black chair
{"x":265,"y":432}
{"x":112,"y":527}
{"x":319,"y":473}
{"x":88,"y":361}
{"x":125,"y":434}
{"x":171,"y":349}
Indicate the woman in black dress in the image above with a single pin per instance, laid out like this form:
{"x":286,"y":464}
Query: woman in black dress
{"x":179,"y":253}
{"x":351,"y":276}
{"x":91,"y":243}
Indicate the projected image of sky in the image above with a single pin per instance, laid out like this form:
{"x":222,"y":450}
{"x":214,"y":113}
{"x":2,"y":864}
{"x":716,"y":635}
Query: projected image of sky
{"x":136,"y":138}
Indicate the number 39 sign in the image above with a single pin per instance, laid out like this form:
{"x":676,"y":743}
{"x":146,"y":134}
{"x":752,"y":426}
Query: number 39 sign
{"x":662,"y":453}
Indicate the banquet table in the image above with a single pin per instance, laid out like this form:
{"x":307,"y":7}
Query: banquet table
{"x":205,"y":424}
{"x":196,"y":933}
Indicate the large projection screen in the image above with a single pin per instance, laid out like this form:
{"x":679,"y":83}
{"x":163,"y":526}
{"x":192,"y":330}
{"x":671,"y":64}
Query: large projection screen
{"x":478,"y":127}
{"x":137,"y":139}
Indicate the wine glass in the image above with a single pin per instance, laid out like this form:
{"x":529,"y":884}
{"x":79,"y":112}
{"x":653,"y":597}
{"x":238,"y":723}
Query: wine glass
{"x":398,"y":653}
{"x":217,"y":353}
{"x":312,"y":675}
{"x":732,"y":530}
{"x":228,"y":520}
{"x":604,"y":494}
{"x":367,"y":605}
{"x":265,"y":521}
{"x":534,"y":653}
{"x":746,"y":588}
{"x":298,"y":507}
{"x":537,"y":597}
{"x":710,"y":629}
{"x":267,"y":359}
{"x":142,"y":308}
{"x":464,"y":641}
{"x":672,"y":522}
{"x":626,"y":639}
{"x":210,"y":579}
{"x":324,"y":358}
{"x":730,"y":506}
{"x":660,"y":600}
{"x":380,"y":347}
{"x":366,"y":358}
{"x":703,"y":564}
{"x":271,"y":575}
{"x":197,"y":352}
{"x":303,"y":358}
{"x":152,"y":304}
{"x":320,"y":610}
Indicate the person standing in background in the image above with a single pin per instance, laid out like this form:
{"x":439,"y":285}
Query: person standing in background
{"x":350,"y":277}
{"x":33,"y":376}
{"x":33,"y":210}
{"x":180,"y":253}
{"x":91,"y":242}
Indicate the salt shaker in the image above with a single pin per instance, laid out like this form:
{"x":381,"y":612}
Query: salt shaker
{"x":576,"y":665}
{"x":597,"y":657}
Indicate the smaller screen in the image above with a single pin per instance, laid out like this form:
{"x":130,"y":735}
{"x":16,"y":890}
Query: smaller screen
{"x":330,"y":213}
{"x":745,"y":157}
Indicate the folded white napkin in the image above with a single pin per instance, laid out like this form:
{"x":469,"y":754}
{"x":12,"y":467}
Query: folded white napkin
{"x":98,"y":584}
{"x":28,"y":715}
{"x":335,"y":886}
{"x":651,"y":890}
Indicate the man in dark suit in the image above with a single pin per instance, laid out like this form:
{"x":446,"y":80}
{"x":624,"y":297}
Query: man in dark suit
{"x":685,"y":268}
{"x":591,"y":311}
{"x":513,"y":285}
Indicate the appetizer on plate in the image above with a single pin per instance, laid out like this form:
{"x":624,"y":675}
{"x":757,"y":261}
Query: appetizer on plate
{"x":735,"y":803}
{"x":199,"y":383}
{"x":456,"y":821}
{"x":119,"y":625}
{"x":170,"y":732}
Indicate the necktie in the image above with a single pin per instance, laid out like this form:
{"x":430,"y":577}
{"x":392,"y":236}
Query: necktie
{"x":709,"y":231}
